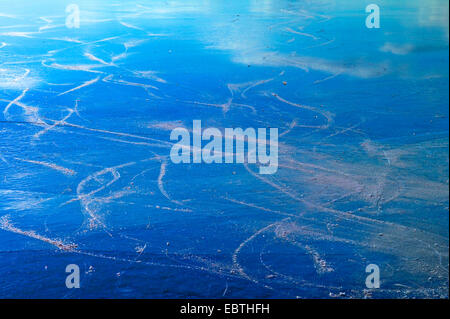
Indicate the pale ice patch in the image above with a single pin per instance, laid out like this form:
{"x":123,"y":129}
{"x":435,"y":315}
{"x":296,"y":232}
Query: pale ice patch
{"x":165,"y":126}
{"x":397,"y":48}
{"x":6,"y":15}
{"x":17,"y":79}
{"x":276,"y":59}
{"x":22,"y":200}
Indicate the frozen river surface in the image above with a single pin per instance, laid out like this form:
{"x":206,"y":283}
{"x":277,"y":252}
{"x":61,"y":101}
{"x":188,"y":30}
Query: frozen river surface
{"x":86,"y":178}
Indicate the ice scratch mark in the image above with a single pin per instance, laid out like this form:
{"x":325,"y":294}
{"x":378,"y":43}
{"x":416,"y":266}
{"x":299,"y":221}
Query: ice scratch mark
{"x":103,"y":40}
{"x":118,"y":134}
{"x":302,"y":33}
{"x":18,"y":34}
{"x":291,"y":126}
{"x":257,"y":207}
{"x":78,"y":67}
{"x":123,"y":82}
{"x":328,"y":115}
{"x":301,"y":13}
{"x":111,"y":170}
{"x":235,"y":255}
{"x":118,"y":57}
{"x":6,"y":225}
{"x":65,"y":171}
{"x":48,"y":25}
{"x":75,"y":110}
{"x":130,"y":26}
{"x":3,"y":159}
{"x":155,"y":264}
{"x":292,"y":280}
{"x":327,"y":78}
{"x":318,"y":167}
{"x":225,"y":106}
{"x":3,"y":44}
{"x":45,"y":19}
{"x":80,"y":86}
{"x":345,"y":130}
{"x":23,"y":76}
{"x":132,"y":142}
{"x":30,"y":112}
{"x":140,"y":250}
{"x":132,"y":44}
{"x":40,"y":133}
{"x":285,"y":190}
{"x":387,"y":157}
{"x":166,"y":126}
{"x":162,"y":172}
{"x":321,"y":44}
{"x":274,"y":185}
{"x":17,"y":99}
{"x":66,"y":39}
{"x":151,"y":75}
{"x":320,"y":264}
{"x":226,"y":289}
{"x":90,"y":205}
{"x":248,"y":86}
{"x":184,"y":210}
{"x":94,"y":58}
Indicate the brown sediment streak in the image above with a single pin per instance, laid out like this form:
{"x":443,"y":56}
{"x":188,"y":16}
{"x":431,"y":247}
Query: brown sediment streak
{"x":5,"y":224}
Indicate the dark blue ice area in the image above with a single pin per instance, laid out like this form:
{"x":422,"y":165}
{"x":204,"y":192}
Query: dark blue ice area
{"x":85,"y":174}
